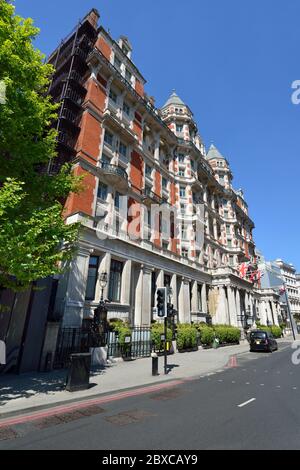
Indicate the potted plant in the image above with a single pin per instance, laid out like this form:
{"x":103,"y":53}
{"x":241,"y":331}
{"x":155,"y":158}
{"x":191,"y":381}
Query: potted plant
{"x":124,"y":339}
{"x":157,"y":330}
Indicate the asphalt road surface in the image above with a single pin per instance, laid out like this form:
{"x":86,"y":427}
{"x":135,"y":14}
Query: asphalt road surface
{"x":253,"y":406}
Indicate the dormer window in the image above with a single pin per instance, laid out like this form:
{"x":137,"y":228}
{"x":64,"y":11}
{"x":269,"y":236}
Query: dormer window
{"x":125,"y":49}
{"x":128,"y":75}
{"x":117,"y":62}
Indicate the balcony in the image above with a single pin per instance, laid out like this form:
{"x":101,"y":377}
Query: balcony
{"x":114,"y":175}
{"x":66,"y":140}
{"x":70,"y":117}
{"x":74,"y":97}
{"x":149,"y":197}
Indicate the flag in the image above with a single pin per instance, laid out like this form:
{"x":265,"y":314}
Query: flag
{"x":256,"y":275}
{"x":282,"y":290}
{"x":243,"y":268}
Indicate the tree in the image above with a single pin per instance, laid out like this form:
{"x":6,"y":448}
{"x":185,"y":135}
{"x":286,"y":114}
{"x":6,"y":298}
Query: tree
{"x":34,"y":239}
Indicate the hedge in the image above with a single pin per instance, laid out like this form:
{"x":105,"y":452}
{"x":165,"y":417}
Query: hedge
{"x":227,"y":334}
{"x":275,"y":330}
{"x":186,"y":336}
{"x":206,"y":335}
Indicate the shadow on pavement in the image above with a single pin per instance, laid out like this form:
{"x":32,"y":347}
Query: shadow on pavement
{"x":27,"y":385}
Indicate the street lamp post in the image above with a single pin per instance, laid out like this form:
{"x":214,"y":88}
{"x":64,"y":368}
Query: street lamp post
{"x":100,"y":313}
{"x":289,"y":310}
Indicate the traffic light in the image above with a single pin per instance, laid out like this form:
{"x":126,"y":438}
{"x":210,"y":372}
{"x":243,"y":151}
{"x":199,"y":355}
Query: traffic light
{"x":161,"y":301}
{"x":170,"y":310}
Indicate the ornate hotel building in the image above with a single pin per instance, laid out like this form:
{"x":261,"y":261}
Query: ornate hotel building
{"x":133,"y":157}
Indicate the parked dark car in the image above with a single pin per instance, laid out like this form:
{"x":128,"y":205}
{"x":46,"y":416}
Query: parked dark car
{"x":261,"y":340}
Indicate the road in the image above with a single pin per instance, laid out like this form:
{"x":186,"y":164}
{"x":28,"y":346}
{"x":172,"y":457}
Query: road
{"x":253,"y":406}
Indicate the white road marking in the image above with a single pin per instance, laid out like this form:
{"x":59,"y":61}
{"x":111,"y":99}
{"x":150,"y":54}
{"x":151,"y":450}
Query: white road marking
{"x":277,"y":386}
{"x":233,"y":382}
{"x":246,"y":402}
{"x":262,"y":385}
{"x":294,"y":388}
{"x":220,"y":380}
{"x":247,"y":383}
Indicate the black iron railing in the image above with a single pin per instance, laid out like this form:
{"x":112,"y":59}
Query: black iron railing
{"x":69,"y":341}
{"x":114,"y":170}
{"x":78,"y":340}
{"x":139,"y":346}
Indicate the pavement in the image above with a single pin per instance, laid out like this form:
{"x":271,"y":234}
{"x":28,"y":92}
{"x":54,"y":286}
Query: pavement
{"x":252,"y":406}
{"x":30,"y":392}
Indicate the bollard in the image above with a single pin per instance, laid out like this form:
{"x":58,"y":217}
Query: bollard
{"x":154,"y":364}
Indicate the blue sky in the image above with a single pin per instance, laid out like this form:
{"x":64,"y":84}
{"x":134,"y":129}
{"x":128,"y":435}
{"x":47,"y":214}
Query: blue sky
{"x":233,"y":63}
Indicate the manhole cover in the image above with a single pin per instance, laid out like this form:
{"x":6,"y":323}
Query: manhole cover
{"x":7,"y":433}
{"x":167,"y":394}
{"x":128,"y":417}
{"x":68,"y":417}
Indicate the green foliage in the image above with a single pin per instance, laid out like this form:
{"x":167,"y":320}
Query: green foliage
{"x":276,"y":331}
{"x":34,"y":240}
{"x":227,"y":334}
{"x":186,"y":336}
{"x":206,"y":335}
{"x":115,"y":324}
{"x":263,"y":327}
{"x":123,"y":330}
{"x":158,"y":329}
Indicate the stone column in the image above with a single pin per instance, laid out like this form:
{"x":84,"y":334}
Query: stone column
{"x":269,"y":312}
{"x":160,"y":279}
{"x":203,"y":298}
{"x":215,"y":229}
{"x":174,"y":290}
{"x":238,"y":307}
{"x":194,"y":302}
{"x":143,"y":297}
{"x":74,"y":297}
{"x":263,"y":313}
{"x":275,"y":315}
{"x":126,"y":282}
{"x":222,"y":308}
{"x":184,"y":314}
{"x":232,"y":306}
{"x":156,"y":146}
{"x":206,"y":217}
